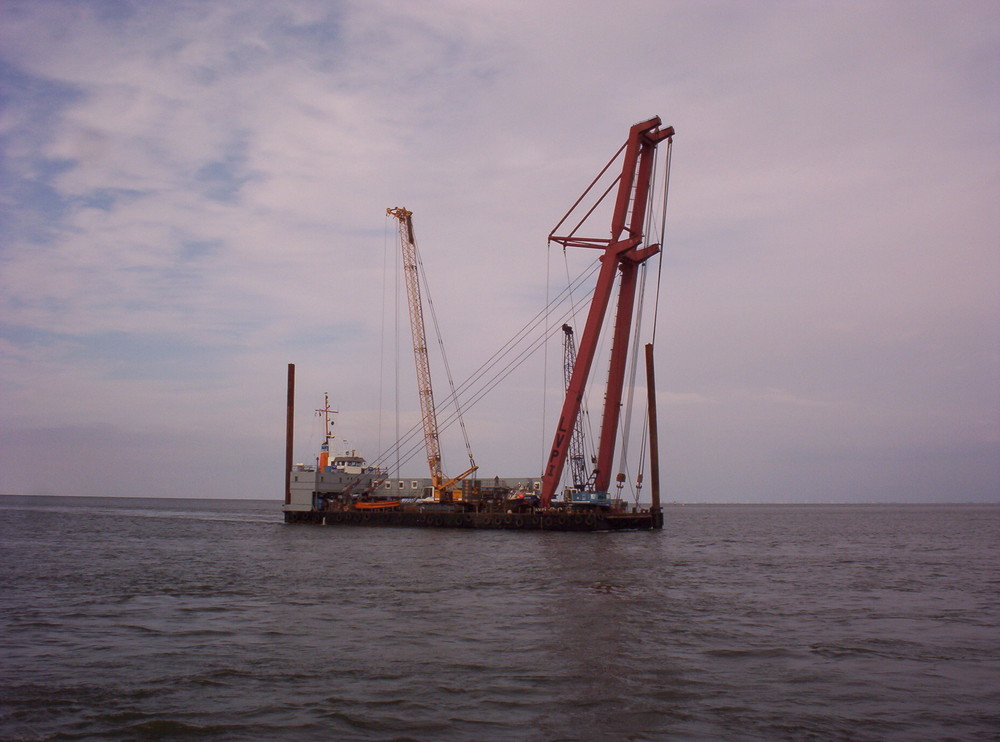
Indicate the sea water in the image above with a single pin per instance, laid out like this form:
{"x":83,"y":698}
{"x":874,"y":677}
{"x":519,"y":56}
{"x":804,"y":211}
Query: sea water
{"x":133,"y":619}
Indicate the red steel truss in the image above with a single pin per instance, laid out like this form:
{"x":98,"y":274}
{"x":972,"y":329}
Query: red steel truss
{"x":623,"y":252}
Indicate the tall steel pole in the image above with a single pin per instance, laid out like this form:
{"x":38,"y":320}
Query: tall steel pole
{"x":289,"y":432}
{"x":654,"y":445}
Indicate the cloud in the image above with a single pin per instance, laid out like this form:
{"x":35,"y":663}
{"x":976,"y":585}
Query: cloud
{"x":193,"y":195}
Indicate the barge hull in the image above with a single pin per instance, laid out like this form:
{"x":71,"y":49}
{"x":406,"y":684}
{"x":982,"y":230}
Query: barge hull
{"x":645,"y":521}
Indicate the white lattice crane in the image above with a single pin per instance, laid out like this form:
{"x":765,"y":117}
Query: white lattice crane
{"x":425,"y":391}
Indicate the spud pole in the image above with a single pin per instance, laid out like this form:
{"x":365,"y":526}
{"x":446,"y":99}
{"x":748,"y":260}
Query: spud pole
{"x":289,"y":430}
{"x":654,"y":448}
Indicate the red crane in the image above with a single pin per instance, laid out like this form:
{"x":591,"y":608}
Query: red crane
{"x":624,"y":252}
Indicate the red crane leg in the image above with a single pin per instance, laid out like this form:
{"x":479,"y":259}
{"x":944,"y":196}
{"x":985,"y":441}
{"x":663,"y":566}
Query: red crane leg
{"x":578,"y":381}
{"x":616,"y":377}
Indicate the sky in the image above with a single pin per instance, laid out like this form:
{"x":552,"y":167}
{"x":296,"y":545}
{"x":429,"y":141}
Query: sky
{"x":194,"y":196}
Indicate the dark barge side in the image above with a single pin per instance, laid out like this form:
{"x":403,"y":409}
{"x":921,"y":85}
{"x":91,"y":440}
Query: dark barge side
{"x":439,"y":517}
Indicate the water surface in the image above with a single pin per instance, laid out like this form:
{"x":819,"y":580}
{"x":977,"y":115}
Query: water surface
{"x":128,"y":619}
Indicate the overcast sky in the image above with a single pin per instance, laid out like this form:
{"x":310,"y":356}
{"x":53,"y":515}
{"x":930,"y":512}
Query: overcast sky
{"x":194,"y":196}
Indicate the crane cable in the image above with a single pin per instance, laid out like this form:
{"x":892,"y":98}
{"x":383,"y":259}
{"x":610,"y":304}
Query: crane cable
{"x":381,"y":347}
{"x":625,"y":422}
{"x":625,"y":426}
{"x":477,"y":394}
{"x":656,"y":303}
{"x":444,"y":356}
{"x":589,"y":454}
{"x":522,"y":337}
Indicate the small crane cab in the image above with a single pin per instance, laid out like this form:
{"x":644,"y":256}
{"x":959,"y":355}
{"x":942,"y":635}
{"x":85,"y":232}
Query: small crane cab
{"x":592,"y":499}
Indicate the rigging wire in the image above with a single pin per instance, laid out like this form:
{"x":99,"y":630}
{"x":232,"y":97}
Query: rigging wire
{"x":641,"y":464}
{"x":626,"y":425}
{"x":471,"y":394}
{"x":521,"y":346}
{"x":545,"y":356}
{"x":399,"y":267}
{"x":444,"y":356}
{"x":587,"y":190}
{"x":642,"y":451}
{"x":629,"y":397}
{"x":381,"y":347}
{"x":522,"y":335}
{"x":656,"y":303}
{"x":476,"y":394}
{"x":663,"y":228}
{"x":589,"y":453}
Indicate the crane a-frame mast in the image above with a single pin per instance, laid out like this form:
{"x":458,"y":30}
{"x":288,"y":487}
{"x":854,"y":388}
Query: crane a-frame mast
{"x":428,"y":412}
{"x":623,"y":253}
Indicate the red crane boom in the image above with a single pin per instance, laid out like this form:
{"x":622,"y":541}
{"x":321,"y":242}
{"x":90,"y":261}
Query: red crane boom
{"x":623,"y":253}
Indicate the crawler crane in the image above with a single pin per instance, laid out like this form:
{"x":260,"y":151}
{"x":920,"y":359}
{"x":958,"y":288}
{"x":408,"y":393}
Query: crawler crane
{"x":577,"y":460}
{"x":408,"y":246}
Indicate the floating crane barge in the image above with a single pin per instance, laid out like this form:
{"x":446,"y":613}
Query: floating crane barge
{"x":346,"y":492}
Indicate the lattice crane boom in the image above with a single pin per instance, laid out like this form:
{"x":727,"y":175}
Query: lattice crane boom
{"x":577,"y":460}
{"x":428,"y":413}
